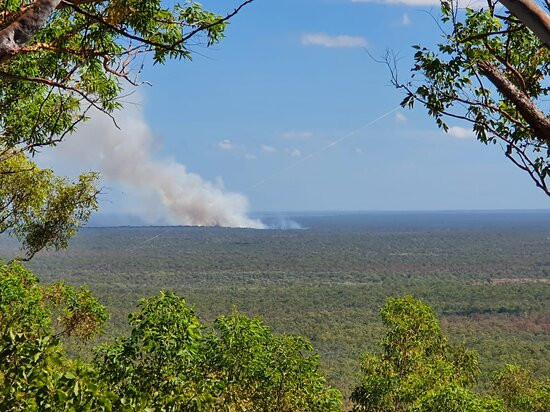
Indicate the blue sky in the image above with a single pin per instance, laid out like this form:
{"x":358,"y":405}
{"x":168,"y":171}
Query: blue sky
{"x":290,"y":77}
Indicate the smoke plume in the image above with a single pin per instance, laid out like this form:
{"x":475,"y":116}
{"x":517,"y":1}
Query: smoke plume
{"x":125,"y":157}
{"x":284,"y":223}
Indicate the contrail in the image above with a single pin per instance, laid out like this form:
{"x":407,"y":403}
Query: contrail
{"x":323,"y":148}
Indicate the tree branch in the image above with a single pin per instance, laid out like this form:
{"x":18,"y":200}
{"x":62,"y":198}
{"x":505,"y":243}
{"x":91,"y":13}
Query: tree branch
{"x":217,"y":22}
{"x":532,"y":15}
{"x":18,"y":33}
{"x":525,"y":106}
{"x":58,"y":85}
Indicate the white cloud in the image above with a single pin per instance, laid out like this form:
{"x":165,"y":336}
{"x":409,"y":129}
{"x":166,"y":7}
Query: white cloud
{"x":267,"y":149}
{"x":462,"y":3}
{"x":400,"y":117}
{"x":460,"y":132}
{"x":225,"y":145}
{"x":405,"y":20}
{"x":250,"y":156}
{"x":294,"y":152}
{"x":295,"y":135}
{"x":359,"y":151}
{"x":325,"y":40}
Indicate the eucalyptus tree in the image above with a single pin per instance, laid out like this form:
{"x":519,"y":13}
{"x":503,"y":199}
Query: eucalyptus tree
{"x":419,"y":369}
{"x":521,"y":391}
{"x":491,"y":71}
{"x":35,"y":375}
{"x":59,"y":60}
{"x":170,"y":361}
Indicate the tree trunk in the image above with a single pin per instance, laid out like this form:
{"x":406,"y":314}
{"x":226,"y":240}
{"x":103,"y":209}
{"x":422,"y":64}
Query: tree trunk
{"x":539,"y":122}
{"x":20,"y":31}
{"x":532,"y":15}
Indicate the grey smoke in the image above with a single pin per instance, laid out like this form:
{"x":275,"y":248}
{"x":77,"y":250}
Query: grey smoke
{"x":126,"y":157}
{"x":285,"y":223}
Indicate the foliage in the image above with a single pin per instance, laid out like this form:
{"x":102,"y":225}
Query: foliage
{"x":486,"y":274}
{"x":521,"y":391}
{"x":26,"y":306}
{"x":78,"y":60}
{"x":85,"y":58}
{"x":159,"y":365}
{"x":170,"y":362}
{"x":418,"y":370}
{"x":34,"y":373}
{"x":42,"y":210}
{"x":262,"y":371}
{"x":490,"y":70}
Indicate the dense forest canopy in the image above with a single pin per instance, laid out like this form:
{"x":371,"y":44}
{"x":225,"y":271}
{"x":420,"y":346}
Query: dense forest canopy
{"x":170,"y":361}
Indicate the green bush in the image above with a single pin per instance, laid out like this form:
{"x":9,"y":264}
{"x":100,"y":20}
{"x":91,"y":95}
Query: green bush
{"x":420,"y":371}
{"x":169,"y":361}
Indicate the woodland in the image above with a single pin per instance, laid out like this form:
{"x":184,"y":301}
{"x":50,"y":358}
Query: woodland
{"x":328,"y":282}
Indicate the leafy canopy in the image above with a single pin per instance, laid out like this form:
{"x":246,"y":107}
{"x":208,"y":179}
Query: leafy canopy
{"x":39,"y":208}
{"x":521,"y":391}
{"x":169,"y":361}
{"x":419,"y":370}
{"x":34,"y":373}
